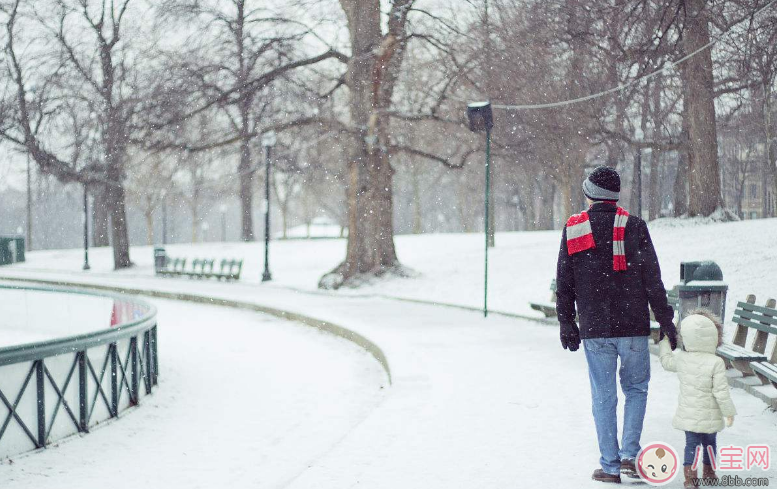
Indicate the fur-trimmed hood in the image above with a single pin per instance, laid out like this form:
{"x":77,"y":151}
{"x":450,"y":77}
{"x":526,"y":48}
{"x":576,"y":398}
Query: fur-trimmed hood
{"x":701,"y":331}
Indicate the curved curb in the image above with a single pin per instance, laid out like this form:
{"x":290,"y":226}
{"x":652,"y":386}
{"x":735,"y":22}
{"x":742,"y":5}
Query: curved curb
{"x":331,"y":328}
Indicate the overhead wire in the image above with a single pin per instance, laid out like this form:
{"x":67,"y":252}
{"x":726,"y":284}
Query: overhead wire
{"x":671,"y":65}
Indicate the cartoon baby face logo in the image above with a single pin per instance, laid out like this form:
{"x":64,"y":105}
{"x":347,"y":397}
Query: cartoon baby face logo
{"x":657,"y":464}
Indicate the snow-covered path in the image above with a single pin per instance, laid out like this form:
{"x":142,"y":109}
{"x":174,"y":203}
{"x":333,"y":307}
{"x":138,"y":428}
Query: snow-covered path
{"x":245,"y":400}
{"x":474,"y":403}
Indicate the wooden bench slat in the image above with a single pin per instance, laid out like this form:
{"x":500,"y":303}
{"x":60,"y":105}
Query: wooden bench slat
{"x":757,"y":326}
{"x":766,"y":372}
{"x":753,"y":308}
{"x":733,"y":348}
{"x":765,"y":368}
{"x":753,"y":316}
{"x":734,"y":352}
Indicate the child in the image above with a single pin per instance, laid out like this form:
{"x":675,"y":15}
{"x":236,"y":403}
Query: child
{"x":704,"y":396}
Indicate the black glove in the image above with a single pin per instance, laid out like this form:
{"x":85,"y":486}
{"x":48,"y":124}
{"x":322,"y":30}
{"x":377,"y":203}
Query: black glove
{"x":670,"y":332}
{"x":570,"y":336}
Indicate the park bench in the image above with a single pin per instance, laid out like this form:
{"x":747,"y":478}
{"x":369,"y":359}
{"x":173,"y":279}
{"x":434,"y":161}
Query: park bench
{"x":201,"y":269}
{"x":753,"y":360}
{"x":549,"y":308}
{"x":230,"y":270}
{"x":173,"y":266}
{"x":673,"y":297}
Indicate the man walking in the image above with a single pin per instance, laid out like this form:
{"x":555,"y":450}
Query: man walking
{"x":608,"y":268}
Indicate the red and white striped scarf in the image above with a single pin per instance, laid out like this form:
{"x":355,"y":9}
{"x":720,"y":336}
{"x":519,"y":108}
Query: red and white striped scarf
{"x":580,"y":236}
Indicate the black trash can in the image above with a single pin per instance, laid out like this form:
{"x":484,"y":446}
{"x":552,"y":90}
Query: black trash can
{"x":702,"y":286}
{"x":11,"y":249}
{"x":160,"y":259}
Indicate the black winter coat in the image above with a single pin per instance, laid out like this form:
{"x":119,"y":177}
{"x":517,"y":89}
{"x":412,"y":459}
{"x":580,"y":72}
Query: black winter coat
{"x":611,"y":304}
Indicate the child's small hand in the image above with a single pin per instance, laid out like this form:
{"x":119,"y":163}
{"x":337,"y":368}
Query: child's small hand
{"x":729,"y":421}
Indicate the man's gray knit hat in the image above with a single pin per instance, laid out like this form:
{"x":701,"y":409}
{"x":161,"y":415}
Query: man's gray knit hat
{"x":603,"y":183}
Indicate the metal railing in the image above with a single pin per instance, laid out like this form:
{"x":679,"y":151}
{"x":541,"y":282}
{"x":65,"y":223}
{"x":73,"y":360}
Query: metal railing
{"x":86,"y":376}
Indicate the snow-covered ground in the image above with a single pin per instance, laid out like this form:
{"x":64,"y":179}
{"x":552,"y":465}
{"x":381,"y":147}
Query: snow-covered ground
{"x":244,"y":400}
{"x":450,"y":266}
{"x":475,"y":403}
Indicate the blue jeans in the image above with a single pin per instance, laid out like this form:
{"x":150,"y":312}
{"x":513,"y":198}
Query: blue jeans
{"x":693,"y":440}
{"x":602,"y":356}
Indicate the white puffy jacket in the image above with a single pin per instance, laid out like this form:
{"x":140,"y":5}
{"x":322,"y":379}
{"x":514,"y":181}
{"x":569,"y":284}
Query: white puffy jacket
{"x":704,"y":393}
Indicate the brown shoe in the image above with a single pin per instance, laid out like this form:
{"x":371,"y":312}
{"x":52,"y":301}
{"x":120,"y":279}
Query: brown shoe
{"x":690,"y":477}
{"x":709,"y":473}
{"x":629,"y":469}
{"x":602,"y":476}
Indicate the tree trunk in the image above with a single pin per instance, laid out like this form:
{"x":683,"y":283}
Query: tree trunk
{"x":545,"y":211}
{"x":28,"y":244}
{"x":524,"y":213}
{"x":696,"y":73}
{"x":284,"y":208}
{"x":370,"y":239}
{"x":372,"y":73}
{"x":195,"y":218}
{"x":149,"y":215}
{"x":636,"y":185}
{"x":769,"y":170}
{"x":462,"y":205}
{"x":100,"y":218}
{"x":569,"y":189}
{"x":681,"y":185}
{"x":530,"y":211}
{"x":656,"y":155}
{"x":246,"y":191}
{"x":680,"y":188}
{"x":246,"y":100}
{"x":119,"y":231}
{"x":418,"y":221}
{"x":654,"y":199}
{"x":740,"y":198}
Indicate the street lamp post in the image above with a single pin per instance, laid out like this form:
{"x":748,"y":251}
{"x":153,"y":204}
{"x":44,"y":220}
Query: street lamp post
{"x":481,"y":119}
{"x":268,"y":141}
{"x":86,"y":228}
{"x":223,"y":209}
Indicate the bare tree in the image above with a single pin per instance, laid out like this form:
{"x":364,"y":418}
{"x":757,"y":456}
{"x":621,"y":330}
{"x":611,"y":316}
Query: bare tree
{"x":80,"y":68}
{"x":149,"y":184}
{"x":250,"y":46}
{"x":373,"y":70}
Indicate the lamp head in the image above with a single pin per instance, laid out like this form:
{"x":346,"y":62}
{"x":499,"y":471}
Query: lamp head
{"x":481,"y":117}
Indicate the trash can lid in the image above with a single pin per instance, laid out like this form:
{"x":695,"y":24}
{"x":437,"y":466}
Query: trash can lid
{"x":696,"y":286}
{"x":708,"y":271}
